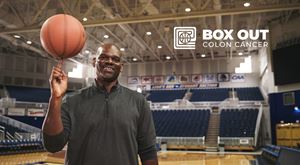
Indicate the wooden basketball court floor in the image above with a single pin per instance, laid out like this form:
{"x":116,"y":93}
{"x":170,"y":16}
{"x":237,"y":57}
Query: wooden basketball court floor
{"x":165,"y":158}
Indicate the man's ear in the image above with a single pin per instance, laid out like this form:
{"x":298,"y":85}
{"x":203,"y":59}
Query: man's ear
{"x":121,"y":69}
{"x":94,"y":62}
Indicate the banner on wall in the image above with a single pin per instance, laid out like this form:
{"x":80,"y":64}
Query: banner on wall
{"x":158,"y":86}
{"x":158,"y":79}
{"x":210,"y":78}
{"x":197,"y":78}
{"x":171,"y":79}
{"x":208,"y":85}
{"x":237,"y":77}
{"x":16,"y":111}
{"x":223,"y":77}
{"x":183,"y":79}
{"x":133,"y":80}
{"x":187,"y":79}
{"x":174,"y":86}
{"x":146,"y":80}
{"x":35,"y":112}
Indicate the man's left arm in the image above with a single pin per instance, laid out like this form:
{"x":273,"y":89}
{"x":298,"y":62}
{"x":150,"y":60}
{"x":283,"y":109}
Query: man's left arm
{"x":150,"y":162}
{"x":146,"y":136}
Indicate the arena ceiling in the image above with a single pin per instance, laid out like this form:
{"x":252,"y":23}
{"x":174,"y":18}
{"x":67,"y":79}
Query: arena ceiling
{"x":126,"y":23}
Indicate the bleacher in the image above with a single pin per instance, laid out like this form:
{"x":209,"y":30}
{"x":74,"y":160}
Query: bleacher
{"x":238,"y":123}
{"x":220,"y":94}
{"x":29,"y":94}
{"x":271,"y":153}
{"x":20,"y":146}
{"x":280,"y":155}
{"x":10,"y":129}
{"x":166,"y":95}
{"x":17,"y":137}
{"x":215,"y":94}
{"x":181,"y":123}
{"x":250,"y":93}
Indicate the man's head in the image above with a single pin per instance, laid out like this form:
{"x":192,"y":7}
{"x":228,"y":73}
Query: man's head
{"x":108,"y":63}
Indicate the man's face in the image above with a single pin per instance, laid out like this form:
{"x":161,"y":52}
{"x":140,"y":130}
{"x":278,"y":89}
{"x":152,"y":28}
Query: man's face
{"x":108,"y":64}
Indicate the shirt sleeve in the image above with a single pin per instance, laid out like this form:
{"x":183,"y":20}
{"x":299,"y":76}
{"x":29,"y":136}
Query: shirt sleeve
{"x":146,"y":134}
{"x":55,"y":143}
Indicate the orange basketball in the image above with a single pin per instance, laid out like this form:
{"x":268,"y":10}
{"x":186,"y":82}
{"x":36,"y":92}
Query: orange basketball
{"x":62,"y":36}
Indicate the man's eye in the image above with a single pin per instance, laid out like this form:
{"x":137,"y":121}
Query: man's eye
{"x":115,"y":59}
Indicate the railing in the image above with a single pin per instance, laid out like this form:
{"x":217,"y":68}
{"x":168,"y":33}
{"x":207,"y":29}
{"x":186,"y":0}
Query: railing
{"x":9,"y":136}
{"x":207,"y":105}
{"x":2,"y":132}
{"x":187,"y":141}
{"x":258,"y":120}
{"x":236,"y":141}
{"x":18,"y":124}
{"x":31,"y":136}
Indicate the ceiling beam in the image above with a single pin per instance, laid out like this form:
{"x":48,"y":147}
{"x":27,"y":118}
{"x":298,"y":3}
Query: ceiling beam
{"x":39,"y":12}
{"x":164,"y":41}
{"x":121,"y":42}
{"x":166,"y":17}
{"x":16,"y":12}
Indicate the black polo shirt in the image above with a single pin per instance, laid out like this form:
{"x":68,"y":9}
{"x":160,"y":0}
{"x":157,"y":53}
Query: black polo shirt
{"x":105,"y":128}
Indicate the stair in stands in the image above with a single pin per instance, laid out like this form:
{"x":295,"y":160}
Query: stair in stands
{"x":211,"y":139}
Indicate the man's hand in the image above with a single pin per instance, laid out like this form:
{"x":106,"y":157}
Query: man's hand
{"x":58,"y":82}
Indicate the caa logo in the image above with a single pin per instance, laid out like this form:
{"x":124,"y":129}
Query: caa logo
{"x":237,"y":77}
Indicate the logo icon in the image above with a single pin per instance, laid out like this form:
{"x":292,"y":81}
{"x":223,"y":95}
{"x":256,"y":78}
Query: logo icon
{"x":184,"y":37}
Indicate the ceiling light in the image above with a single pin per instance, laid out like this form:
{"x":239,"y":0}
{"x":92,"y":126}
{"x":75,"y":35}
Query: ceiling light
{"x":187,"y":9}
{"x":17,"y":36}
{"x":148,"y":33}
{"x":240,"y":53}
{"x":168,"y":57}
{"x":134,"y":59}
{"x":246,"y":4}
{"x":28,"y":42}
{"x":122,"y":49}
{"x":84,"y":19}
{"x":86,"y":51}
{"x":106,"y":36}
{"x":202,"y":55}
{"x":159,"y":46}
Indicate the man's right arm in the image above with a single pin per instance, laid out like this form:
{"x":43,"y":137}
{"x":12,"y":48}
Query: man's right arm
{"x":52,"y":123}
{"x":54,"y":134}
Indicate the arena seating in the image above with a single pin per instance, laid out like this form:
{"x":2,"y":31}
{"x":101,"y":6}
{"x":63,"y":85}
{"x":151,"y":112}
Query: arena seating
{"x":280,"y":155}
{"x":181,"y":123}
{"x":220,"y":94}
{"x":29,"y":94}
{"x":216,"y":94}
{"x":238,"y":123}
{"x":251,"y":93}
{"x":271,"y":153}
{"x":12,"y":144}
{"x":20,"y":146}
{"x":10,"y":128}
{"x":166,"y":95}
{"x":30,"y":120}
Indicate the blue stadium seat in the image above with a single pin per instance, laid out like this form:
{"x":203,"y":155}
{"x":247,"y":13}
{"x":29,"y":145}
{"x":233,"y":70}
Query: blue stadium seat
{"x":181,"y":123}
{"x":217,"y":94}
{"x":29,"y":94}
{"x":249,"y":94}
{"x":166,"y":95}
{"x":238,"y":123}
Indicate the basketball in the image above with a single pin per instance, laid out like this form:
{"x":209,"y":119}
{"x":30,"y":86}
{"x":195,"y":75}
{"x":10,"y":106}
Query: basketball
{"x":62,"y":36}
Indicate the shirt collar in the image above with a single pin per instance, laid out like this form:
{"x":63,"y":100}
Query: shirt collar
{"x":100,"y":86}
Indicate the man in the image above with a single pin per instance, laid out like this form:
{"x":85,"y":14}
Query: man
{"x":104,"y":124}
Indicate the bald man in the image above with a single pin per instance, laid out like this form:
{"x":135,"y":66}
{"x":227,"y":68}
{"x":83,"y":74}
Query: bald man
{"x":103,"y":124}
